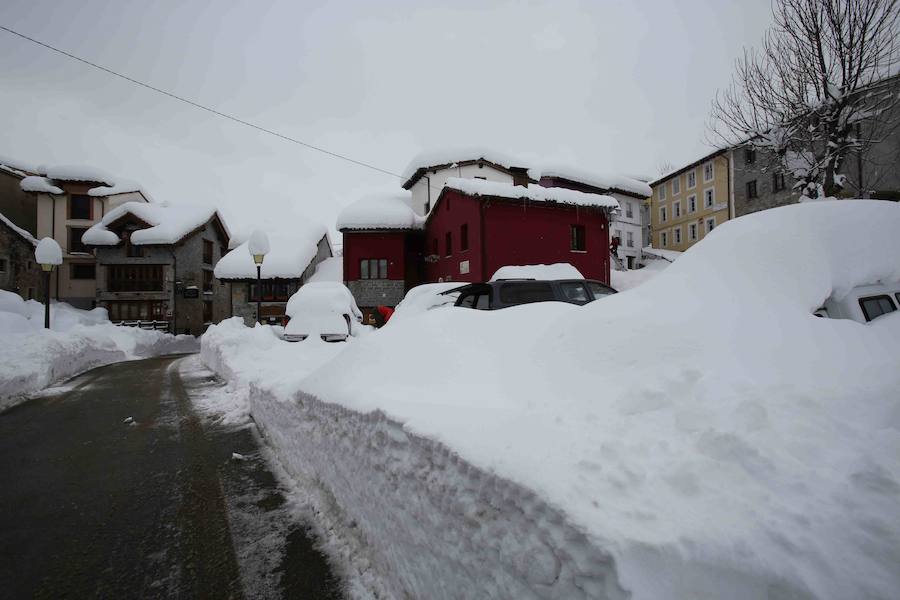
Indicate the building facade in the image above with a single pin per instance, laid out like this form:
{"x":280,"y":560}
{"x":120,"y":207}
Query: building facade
{"x":19,"y":273}
{"x":687,"y":204}
{"x":157,"y":263}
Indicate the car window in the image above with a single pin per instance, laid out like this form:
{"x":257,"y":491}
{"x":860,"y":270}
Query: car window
{"x":483,"y":302}
{"x":468,"y":301}
{"x":599,"y":290}
{"x":875,"y":306}
{"x":575,"y":292}
{"x":525,"y":292}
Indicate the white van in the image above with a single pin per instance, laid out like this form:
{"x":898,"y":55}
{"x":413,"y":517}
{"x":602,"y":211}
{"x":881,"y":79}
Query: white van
{"x":864,"y":303}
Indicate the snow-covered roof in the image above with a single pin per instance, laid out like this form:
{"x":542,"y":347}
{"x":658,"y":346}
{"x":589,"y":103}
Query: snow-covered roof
{"x":385,"y":211}
{"x":36,"y":183}
{"x":288,"y":257}
{"x":535,"y":193}
{"x":539,"y":272}
{"x":669,"y":255}
{"x":690,"y":165}
{"x":78,"y":173}
{"x":168,"y":224}
{"x":16,"y":166}
{"x":28,"y":237}
{"x":607,"y":182}
{"x":330,"y":269}
{"x":122,"y":186}
{"x":450,"y":156}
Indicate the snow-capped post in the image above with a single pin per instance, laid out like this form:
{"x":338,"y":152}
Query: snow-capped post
{"x":48,"y":254}
{"x":258,"y":245}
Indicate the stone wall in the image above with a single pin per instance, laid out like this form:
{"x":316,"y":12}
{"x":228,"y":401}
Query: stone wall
{"x":17,"y":206}
{"x":762,"y":171}
{"x":20,"y":274}
{"x":377,"y":292}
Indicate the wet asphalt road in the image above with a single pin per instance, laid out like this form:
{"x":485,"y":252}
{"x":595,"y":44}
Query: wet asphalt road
{"x":95,"y":506}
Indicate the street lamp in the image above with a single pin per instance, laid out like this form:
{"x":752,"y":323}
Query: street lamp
{"x":258,"y":245}
{"x":47,"y":254}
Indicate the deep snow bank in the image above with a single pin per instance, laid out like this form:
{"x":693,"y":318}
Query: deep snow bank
{"x":32,"y":358}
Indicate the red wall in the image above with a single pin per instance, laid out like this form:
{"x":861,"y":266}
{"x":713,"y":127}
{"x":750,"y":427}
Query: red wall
{"x":462,"y":210}
{"x":359,"y":245}
{"x":514,"y":233}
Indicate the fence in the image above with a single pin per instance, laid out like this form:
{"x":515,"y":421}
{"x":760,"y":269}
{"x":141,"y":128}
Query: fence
{"x":157,"y":325}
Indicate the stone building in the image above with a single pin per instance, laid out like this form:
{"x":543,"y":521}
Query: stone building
{"x":291,"y":262}
{"x":19,"y":273}
{"x":156,"y":263}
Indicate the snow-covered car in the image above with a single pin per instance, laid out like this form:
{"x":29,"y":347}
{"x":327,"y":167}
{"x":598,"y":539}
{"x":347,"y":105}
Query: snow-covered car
{"x":863,"y":303}
{"x":425,"y":297}
{"x":503,"y":293}
{"x":326,"y":309}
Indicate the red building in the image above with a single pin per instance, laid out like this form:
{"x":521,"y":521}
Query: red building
{"x":473,"y":228}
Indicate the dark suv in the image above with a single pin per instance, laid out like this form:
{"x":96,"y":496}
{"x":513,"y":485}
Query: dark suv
{"x":503,"y":293}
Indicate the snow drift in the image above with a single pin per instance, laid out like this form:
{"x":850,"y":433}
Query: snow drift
{"x":32,"y":358}
{"x":702,"y":435}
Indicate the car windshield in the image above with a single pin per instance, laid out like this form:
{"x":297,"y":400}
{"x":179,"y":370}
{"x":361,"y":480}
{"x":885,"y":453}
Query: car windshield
{"x":525,"y":292}
{"x":575,"y":292}
{"x":599,"y":290}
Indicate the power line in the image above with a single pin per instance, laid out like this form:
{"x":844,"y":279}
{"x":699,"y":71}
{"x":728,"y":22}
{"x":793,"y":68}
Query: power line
{"x":201,"y":106}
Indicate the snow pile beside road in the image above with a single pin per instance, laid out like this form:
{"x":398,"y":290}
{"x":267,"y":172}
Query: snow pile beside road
{"x":32,"y":358}
{"x":705,"y":429}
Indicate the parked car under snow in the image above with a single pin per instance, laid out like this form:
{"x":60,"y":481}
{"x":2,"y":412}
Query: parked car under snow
{"x":863,"y":303}
{"x":325,"y":309}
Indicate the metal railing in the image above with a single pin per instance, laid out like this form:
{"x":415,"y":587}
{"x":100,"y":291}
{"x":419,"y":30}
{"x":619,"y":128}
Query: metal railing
{"x":157,"y":325}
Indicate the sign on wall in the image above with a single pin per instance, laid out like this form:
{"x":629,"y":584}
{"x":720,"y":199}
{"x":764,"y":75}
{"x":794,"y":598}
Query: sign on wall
{"x":463,"y":267}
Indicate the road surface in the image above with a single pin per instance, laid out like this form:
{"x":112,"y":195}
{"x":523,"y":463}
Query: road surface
{"x":112,"y":486}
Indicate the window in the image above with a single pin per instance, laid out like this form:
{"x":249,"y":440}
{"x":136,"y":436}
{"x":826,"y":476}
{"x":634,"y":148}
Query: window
{"x":709,"y":197}
{"x":662,"y":192}
{"x":463,"y":238}
{"x":710,"y":224}
{"x":708,"y":172}
{"x":526,"y":292}
{"x":777,"y":182}
{"x":599,"y":290}
{"x":271,"y":291}
{"x":136,"y":310}
{"x":207,"y":311}
{"x":662,"y":214}
{"x":676,"y":210}
{"x":749,"y":155}
{"x":207,"y":252}
{"x":578,"y":242}
{"x":751,"y":189}
{"x":629,"y":210}
{"x":83,"y":271}
{"x":629,"y":239}
{"x":663,"y":239}
{"x":692,"y":179}
{"x":676,"y":186}
{"x":207,"y":281}
{"x":692,"y":232}
{"x":373,"y":268}
{"x":448,"y":244}
{"x":134,"y":278}
{"x":875,"y":306}
{"x":3,"y":266}
{"x":618,"y":234}
{"x":81,"y":207}
{"x":678,"y":235}
{"x":692,"y":203}
{"x":575,"y":292}
{"x":75,"y":244}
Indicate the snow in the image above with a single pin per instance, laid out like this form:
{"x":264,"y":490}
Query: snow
{"x":48,"y":252}
{"x":121,"y":187}
{"x":28,"y":237}
{"x":258,"y":244}
{"x":625,"y":280}
{"x":17,"y":166}
{"x":669,"y":255}
{"x":450,"y":156}
{"x":288,"y":257}
{"x":425,"y":297}
{"x":539,"y":272}
{"x":385,"y":211}
{"x":604,"y":181}
{"x":701,"y":435}
{"x":320,"y":308}
{"x":35,"y":183}
{"x":33,"y":358}
{"x":78,"y":173}
{"x":535,"y":193}
{"x":168,"y":224}
{"x":330,"y":269}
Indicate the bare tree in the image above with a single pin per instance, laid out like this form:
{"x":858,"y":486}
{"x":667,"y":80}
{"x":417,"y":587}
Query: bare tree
{"x":825,"y":66}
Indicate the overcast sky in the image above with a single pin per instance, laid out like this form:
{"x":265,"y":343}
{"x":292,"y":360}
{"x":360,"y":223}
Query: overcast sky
{"x":601,"y":85}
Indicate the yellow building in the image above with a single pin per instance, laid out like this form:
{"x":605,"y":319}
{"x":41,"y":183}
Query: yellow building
{"x":690,"y":202}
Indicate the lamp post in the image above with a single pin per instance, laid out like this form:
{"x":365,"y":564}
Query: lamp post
{"x":258,"y":245}
{"x":48,"y":254}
